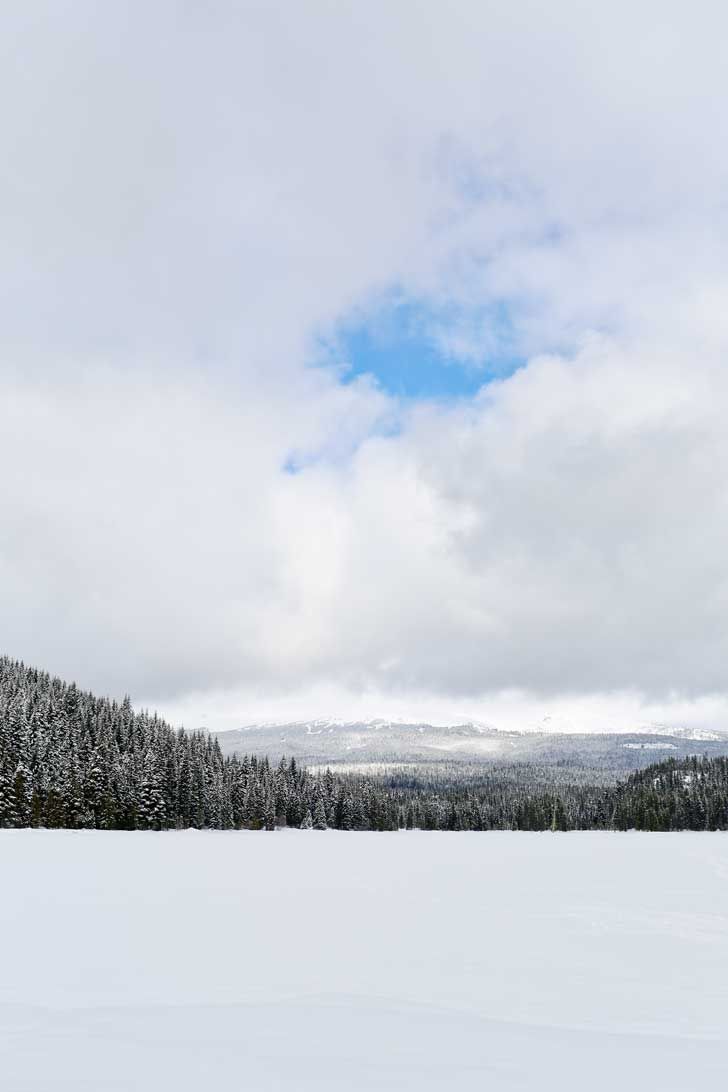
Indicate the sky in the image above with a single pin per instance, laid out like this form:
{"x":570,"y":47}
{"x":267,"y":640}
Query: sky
{"x":367,"y":360}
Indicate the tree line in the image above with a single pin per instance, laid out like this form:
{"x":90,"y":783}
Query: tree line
{"x":73,"y":760}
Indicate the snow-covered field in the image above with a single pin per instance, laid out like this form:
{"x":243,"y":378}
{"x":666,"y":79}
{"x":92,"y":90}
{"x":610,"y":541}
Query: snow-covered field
{"x":306,"y":960}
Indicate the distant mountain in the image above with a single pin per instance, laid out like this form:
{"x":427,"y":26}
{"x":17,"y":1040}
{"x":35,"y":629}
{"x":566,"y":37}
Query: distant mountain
{"x":696,"y":734}
{"x":365,"y":744}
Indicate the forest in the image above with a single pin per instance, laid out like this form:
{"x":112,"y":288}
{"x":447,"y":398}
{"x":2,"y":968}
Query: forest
{"x":69,"y":759}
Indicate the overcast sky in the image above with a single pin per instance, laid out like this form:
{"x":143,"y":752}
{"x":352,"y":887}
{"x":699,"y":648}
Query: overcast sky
{"x":368,"y":359}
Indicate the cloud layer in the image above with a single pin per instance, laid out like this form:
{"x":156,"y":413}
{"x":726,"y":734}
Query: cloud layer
{"x":195,"y":198}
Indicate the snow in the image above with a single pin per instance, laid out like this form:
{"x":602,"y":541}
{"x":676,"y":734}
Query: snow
{"x":692,"y":734}
{"x":650,"y":746}
{"x":309,"y":960}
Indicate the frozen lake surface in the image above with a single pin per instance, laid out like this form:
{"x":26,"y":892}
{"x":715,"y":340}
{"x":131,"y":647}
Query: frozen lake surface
{"x":307,"y":960}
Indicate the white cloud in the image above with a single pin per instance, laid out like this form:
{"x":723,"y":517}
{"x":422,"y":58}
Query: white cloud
{"x":194,"y":195}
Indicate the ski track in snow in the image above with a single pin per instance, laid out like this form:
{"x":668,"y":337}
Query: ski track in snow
{"x":310,"y":960}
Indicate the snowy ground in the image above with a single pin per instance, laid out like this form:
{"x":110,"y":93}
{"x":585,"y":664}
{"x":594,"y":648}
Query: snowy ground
{"x":304,"y":960}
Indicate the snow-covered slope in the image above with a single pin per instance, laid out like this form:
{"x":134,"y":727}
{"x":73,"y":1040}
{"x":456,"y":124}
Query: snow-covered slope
{"x":310,"y":961}
{"x":696,"y":735}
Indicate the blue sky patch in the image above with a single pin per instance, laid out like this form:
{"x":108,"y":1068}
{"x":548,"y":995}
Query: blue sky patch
{"x":412,"y":351}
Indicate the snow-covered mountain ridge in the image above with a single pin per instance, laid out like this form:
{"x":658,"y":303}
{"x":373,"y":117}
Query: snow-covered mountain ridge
{"x":328,"y":741}
{"x":548,"y":725}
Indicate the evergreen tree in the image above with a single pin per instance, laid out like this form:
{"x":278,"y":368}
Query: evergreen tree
{"x":319,"y":815}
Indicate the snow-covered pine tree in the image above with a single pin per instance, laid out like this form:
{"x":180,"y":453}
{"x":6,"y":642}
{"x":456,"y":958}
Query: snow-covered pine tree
{"x":319,"y":815}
